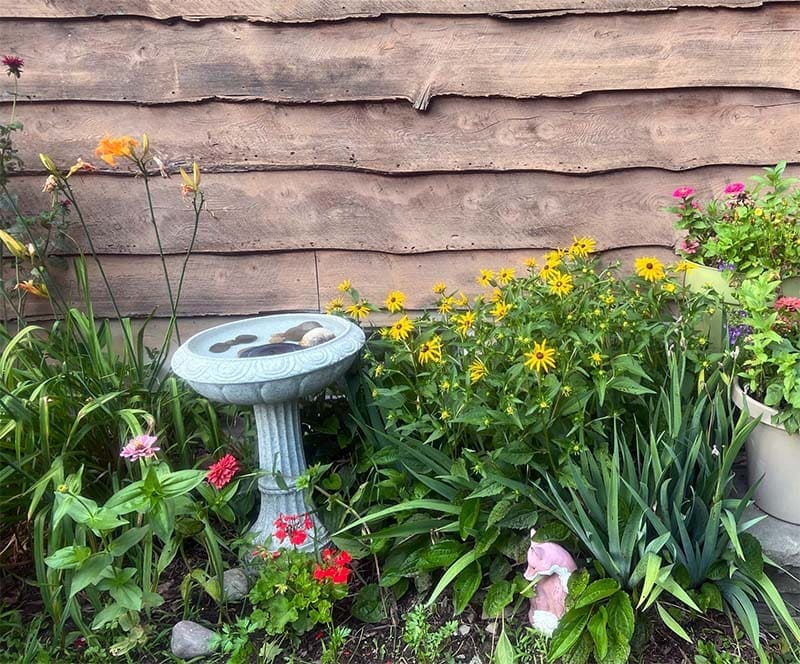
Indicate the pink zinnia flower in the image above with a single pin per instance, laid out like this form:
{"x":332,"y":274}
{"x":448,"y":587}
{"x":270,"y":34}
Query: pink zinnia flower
{"x":140,"y":447}
{"x":734,"y":188}
{"x":682,"y":192}
{"x":788,"y":303}
{"x":688,"y":246}
{"x":13,"y":65}
{"x":222,"y":471}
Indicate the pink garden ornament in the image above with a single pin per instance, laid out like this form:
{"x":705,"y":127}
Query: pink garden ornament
{"x":553,"y":565}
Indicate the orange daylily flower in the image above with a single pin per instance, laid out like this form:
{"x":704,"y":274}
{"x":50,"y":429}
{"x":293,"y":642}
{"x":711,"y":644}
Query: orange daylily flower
{"x":39,"y":290}
{"x":110,"y":147}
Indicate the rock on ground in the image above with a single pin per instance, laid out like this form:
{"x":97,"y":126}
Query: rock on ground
{"x":235,"y":585}
{"x":190,"y":640}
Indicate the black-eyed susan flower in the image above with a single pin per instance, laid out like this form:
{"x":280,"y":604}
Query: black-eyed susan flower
{"x":554,"y":258}
{"x":547,"y":271}
{"x":345,"y":286}
{"x":505,"y":275}
{"x":439,"y":287}
{"x":530,"y":263}
{"x":477,"y":370}
{"x":358,"y":310}
{"x":684,"y":266}
{"x":400,"y":329}
{"x":464,"y":322}
{"x":669,"y":287}
{"x":485,"y":278}
{"x":461,"y":300}
{"x":649,"y":268}
{"x":430,"y":351}
{"x":446,"y":305}
{"x":541,"y":358}
{"x":582,"y":246}
{"x":336,"y":304}
{"x":394,"y":301}
{"x":560,"y":284}
{"x":500,"y":310}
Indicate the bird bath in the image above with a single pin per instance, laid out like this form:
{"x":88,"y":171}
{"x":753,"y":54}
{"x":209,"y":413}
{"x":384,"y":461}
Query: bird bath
{"x":211,"y":363}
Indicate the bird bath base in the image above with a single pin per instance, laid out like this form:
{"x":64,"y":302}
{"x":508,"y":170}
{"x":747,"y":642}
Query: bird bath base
{"x":280,"y":453}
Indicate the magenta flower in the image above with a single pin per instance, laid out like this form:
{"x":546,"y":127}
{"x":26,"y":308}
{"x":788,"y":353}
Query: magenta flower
{"x":140,"y":447}
{"x":734,"y":188}
{"x":222,"y":471}
{"x":788,"y":303}
{"x":682,"y":192}
{"x":13,"y":65}
{"x":688,"y":246}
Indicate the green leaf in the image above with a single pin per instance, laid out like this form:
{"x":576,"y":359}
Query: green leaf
{"x":441,"y":554}
{"x":653,"y":567}
{"x":368,"y":605}
{"x":128,"y":539}
{"x":709,"y":597}
{"x":103,"y":520}
{"x":499,"y":596}
{"x":504,"y":652}
{"x":569,"y":630}
{"x":453,"y":571}
{"x":670,"y":622}
{"x":627,"y":385}
{"x":466,"y":585}
{"x":469,"y":516}
{"x":752,"y":563}
{"x":597,"y":628}
{"x":69,"y":557}
{"x":485,"y":540}
{"x":128,"y":595}
{"x":498,"y":512}
{"x":596,"y":591}
{"x":621,"y":619}
{"x":90,"y":572}
{"x":181,"y":482}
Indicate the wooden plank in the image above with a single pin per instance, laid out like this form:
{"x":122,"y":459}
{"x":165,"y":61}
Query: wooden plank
{"x":671,"y":129}
{"x":230,"y":285}
{"x":300,"y":11}
{"x":413,"y":58}
{"x":292,"y":210}
{"x":374,"y":275}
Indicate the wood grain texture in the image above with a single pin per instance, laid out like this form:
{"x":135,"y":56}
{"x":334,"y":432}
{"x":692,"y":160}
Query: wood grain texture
{"x":374,"y":275}
{"x":413,"y":58}
{"x":675,"y":130}
{"x":301,"y":210}
{"x":301,"y":11}
{"x":214,"y":285}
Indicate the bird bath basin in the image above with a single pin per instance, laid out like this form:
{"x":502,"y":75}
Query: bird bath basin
{"x":212,"y":363}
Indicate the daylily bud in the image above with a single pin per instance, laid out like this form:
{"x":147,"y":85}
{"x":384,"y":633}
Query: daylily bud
{"x":145,"y":145}
{"x":48,"y":164}
{"x":196,"y":175}
{"x":13,"y":245}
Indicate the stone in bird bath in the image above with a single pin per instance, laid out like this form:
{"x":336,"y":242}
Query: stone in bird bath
{"x":317,"y":336}
{"x":272,"y":384}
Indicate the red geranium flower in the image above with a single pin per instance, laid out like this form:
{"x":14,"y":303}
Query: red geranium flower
{"x":222,"y":471}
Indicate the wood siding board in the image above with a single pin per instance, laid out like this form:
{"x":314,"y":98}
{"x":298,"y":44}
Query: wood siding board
{"x":674,"y":130}
{"x":229,"y":285}
{"x":374,"y":275}
{"x":331,"y":10}
{"x":307,"y":210}
{"x":413,"y":58}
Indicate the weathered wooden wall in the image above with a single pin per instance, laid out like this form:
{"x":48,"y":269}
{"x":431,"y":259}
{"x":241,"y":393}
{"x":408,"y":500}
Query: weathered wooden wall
{"x":395,"y":142}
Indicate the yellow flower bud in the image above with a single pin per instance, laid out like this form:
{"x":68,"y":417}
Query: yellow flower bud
{"x":48,"y":164}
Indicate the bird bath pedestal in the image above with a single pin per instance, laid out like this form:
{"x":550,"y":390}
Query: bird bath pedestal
{"x":272,"y":385}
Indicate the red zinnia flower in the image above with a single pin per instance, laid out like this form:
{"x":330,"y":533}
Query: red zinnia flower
{"x":13,"y":65}
{"x":734,"y":188}
{"x":222,"y":471}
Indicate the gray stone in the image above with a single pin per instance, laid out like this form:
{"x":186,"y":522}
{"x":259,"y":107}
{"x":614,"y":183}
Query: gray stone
{"x":779,"y":539}
{"x":463,"y":629}
{"x":190,"y":640}
{"x":235,"y":584}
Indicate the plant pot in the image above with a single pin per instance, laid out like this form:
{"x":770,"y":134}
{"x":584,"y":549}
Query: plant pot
{"x":701,"y":279}
{"x":791,"y":287}
{"x":773,"y":457}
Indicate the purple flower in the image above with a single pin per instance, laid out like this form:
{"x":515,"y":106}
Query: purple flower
{"x":735,"y":332}
{"x":13,"y":65}
{"x":722,"y":266}
{"x":140,"y":447}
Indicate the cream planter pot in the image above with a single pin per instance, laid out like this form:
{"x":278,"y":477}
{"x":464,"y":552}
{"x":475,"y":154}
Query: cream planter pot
{"x":773,"y":456}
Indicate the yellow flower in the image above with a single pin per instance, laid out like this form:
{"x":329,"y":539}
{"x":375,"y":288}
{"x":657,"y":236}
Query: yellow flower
{"x":547,"y":271}
{"x":510,"y":410}
{"x":400,"y":329}
{"x":62,"y":488}
{"x":446,"y":305}
{"x":13,"y":245}
{"x":505,"y":275}
{"x":345,"y":286}
{"x":395,"y":301}
{"x":497,"y":295}
{"x":109,"y":148}
{"x":445,"y":415}
{"x":462,"y":300}
{"x":430,"y":351}
{"x":566,"y":390}
{"x":582,"y":246}
{"x":500,"y":310}
{"x":464,"y":322}
{"x":684,"y":266}
{"x":541,"y":358}
{"x":359,"y":310}
{"x":530,"y":263}
{"x":758,"y":212}
{"x":596,"y":359}
{"x":190,"y":184}
{"x":336,"y":304}
{"x":445,"y":385}
{"x":561,"y":284}
{"x":609,"y":299}
{"x":39,"y":290}
{"x":485,"y":278}
{"x":553,"y":258}
{"x":477,"y":370}
{"x":669,"y":287}
{"x":378,"y":370}
{"x":439,"y":287}
{"x":649,"y":268}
